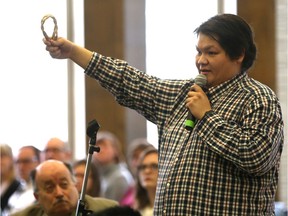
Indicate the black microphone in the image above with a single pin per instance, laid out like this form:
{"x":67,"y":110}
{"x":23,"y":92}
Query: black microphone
{"x":190,"y":122}
{"x":92,"y":128}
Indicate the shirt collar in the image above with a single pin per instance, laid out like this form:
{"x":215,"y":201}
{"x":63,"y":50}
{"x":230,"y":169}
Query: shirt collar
{"x":216,"y":91}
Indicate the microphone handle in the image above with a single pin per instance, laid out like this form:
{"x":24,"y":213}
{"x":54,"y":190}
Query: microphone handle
{"x":190,"y":121}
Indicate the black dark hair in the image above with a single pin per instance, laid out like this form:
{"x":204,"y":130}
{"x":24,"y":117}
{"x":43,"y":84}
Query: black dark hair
{"x":117,"y":211}
{"x":233,"y":34}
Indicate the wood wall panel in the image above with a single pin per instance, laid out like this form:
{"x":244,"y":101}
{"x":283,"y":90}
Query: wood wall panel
{"x":104,"y":34}
{"x":112,"y":33}
{"x":261,"y":16}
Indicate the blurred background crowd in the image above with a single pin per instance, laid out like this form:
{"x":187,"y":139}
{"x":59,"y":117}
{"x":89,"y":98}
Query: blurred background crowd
{"x":129,"y":178}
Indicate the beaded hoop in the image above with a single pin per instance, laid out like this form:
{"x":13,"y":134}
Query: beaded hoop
{"x":55,"y":32}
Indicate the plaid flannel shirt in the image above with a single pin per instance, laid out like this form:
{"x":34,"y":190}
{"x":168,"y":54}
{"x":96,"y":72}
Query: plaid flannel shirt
{"x":228,"y":164}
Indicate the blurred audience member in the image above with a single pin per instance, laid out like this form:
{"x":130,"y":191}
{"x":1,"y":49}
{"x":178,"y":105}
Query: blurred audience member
{"x":8,"y":182}
{"x":135,"y":148}
{"x":56,"y":193}
{"x":28,"y":159}
{"x":57,"y":149}
{"x":281,"y":209}
{"x":116,"y":179}
{"x":146,"y":182}
{"x":93,"y":181}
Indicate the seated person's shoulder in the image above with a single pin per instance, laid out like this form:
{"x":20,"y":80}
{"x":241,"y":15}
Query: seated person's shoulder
{"x":34,"y":209}
{"x":98,"y":203}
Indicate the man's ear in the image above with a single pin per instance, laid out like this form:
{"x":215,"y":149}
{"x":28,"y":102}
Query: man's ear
{"x":36,"y":195}
{"x":240,"y":59}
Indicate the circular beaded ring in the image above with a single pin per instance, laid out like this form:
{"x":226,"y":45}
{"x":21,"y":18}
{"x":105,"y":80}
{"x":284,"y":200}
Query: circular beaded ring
{"x":55,"y":32}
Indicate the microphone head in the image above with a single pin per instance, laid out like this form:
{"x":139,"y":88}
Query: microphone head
{"x":201,"y":80}
{"x":92,"y":128}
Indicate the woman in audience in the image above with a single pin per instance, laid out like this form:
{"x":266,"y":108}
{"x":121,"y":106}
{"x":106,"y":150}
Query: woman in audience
{"x":93,"y":181}
{"x":146,"y":181}
{"x":135,"y":148}
{"x":8,"y":182}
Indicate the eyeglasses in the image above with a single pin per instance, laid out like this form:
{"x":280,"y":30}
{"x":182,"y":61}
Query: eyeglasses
{"x":53,"y":150}
{"x":26,"y":160}
{"x":152,"y":166}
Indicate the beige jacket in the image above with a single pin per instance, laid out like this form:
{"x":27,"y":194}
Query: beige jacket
{"x":93,"y":204}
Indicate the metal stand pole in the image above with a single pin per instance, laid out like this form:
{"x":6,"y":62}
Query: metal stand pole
{"x":92,"y":130}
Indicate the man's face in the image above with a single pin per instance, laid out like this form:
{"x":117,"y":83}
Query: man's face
{"x":55,"y":149}
{"x":79,"y":172}
{"x":57,"y":193}
{"x":107,"y":152}
{"x":214,"y":63}
{"x":26,"y":161}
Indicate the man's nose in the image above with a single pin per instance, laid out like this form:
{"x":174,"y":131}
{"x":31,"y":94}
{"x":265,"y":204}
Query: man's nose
{"x":58,"y":191}
{"x":202,"y":59}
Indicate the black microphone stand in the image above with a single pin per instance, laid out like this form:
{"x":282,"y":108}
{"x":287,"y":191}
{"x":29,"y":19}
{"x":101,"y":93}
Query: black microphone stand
{"x":92,"y":130}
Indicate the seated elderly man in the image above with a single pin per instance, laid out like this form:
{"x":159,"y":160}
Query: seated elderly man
{"x":56,"y":193}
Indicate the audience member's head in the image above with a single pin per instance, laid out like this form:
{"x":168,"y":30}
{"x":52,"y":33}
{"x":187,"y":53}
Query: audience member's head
{"x":7,"y":170}
{"x":54,"y":187}
{"x":93,"y":181}
{"x":57,"y":149}
{"x":116,"y":178}
{"x":146,"y":180}
{"x":55,"y":190}
{"x":28,"y":158}
{"x":110,"y":149}
{"x":136,"y":147}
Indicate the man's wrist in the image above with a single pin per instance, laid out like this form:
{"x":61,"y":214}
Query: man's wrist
{"x":209,"y":112}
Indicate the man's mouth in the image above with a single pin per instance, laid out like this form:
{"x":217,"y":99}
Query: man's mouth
{"x":204,"y":71}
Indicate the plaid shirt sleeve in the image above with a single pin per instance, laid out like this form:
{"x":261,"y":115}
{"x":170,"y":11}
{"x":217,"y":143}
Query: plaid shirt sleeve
{"x":252,"y":143}
{"x":148,"y":95}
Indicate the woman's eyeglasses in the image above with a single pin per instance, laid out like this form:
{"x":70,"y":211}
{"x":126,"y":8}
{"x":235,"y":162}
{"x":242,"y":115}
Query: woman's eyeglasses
{"x":152,"y":166}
